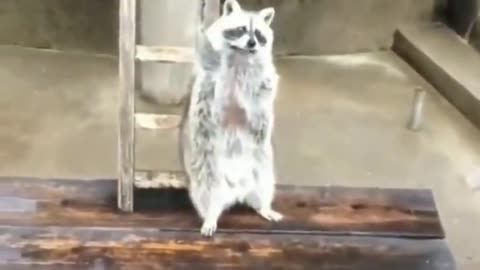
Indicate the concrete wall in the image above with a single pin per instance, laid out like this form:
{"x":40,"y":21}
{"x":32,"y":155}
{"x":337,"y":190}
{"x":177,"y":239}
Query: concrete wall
{"x":460,"y":14}
{"x":301,"y":27}
{"x":475,"y":37}
{"x":343,"y":26}
{"x":92,"y":26}
{"x":311,"y":27}
{"x":475,"y":34}
{"x":167,"y":23}
{"x":84,"y":25}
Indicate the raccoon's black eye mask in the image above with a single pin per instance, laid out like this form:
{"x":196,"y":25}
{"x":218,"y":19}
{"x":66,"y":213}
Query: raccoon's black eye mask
{"x":260,"y":38}
{"x":235,"y":33}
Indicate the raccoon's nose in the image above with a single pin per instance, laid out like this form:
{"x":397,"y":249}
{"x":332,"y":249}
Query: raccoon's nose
{"x":251,"y":43}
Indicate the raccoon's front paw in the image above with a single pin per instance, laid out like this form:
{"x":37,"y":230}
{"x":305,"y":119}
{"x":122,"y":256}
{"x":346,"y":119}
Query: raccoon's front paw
{"x":208,"y":228}
{"x":268,"y":83}
{"x":270,"y":215}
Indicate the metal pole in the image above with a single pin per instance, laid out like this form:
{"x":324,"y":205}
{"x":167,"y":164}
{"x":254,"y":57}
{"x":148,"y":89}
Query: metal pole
{"x":416,"y":114}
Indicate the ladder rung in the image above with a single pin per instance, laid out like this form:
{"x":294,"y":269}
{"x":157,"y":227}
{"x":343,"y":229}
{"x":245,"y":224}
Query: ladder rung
{"x":148,"y":179}
{"x":166,"y":54}
{"x":157,"y":121}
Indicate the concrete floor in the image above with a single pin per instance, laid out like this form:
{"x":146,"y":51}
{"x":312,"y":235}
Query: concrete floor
{"x":340,"y":121}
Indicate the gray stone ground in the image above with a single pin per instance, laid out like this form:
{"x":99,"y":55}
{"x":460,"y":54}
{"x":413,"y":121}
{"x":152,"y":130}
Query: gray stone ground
{"x":340,"y":121}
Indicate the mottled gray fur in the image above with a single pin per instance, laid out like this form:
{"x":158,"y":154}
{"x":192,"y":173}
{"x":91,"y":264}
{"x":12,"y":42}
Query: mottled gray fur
{"x":226,"y":131}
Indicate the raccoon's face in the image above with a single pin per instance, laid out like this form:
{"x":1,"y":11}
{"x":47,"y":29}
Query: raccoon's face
{"x":242,"y":31}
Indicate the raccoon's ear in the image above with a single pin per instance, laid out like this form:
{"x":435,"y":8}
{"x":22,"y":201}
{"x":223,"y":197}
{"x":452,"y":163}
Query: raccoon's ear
{"x":230,"y":6}
{"x":267,"y":14}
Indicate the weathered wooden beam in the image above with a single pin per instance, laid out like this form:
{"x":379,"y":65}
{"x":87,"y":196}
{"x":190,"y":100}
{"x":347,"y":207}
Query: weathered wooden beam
{"x":75,"y":224}
{"x":157,"y":121}
{"x":164,"y":54}
{"x":147,"y":179}
{"x":29,"y":247}
{"x":307,"y":210}
{"x":126,"y":133}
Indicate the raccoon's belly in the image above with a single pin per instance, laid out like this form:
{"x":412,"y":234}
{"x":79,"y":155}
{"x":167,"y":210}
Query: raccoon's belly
{"x":232,"y":114}
{"x":235,"y":143}
{"x":234,"y":126}
{"x":236,"y":149}
{"x":237,"y":165}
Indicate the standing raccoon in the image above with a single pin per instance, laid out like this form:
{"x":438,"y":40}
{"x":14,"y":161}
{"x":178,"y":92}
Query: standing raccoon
{"x":226,"y":133}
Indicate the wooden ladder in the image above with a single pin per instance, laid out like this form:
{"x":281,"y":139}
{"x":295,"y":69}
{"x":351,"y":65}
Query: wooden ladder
{"x":129,"y":53}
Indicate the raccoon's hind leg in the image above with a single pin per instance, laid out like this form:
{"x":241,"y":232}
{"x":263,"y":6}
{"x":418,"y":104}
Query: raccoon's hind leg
{"x":210,"y":203}
{"x":261,"y":197}
{"x":220,"y":199}
{"x":263,"y":172}
{"x":210,"y":195}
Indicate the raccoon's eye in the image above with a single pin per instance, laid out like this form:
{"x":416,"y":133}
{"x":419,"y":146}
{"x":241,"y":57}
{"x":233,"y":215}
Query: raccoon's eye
{"x":235,"y":33}
{"x":260,"y":37}
{"x":242,"y":29}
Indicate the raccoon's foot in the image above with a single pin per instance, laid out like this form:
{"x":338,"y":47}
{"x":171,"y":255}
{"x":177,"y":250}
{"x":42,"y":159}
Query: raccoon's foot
{"x":208,"y":228}
{"x":270,"y":215}
{"x":261,"y":200}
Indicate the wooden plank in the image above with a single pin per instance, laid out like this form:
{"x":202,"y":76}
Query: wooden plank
{"x":30,"y":247}
{"x":164,"y":54}
{"x":126,"y":133}
{"x":157,"y":121}
{"x":307,"y":210}
{"x":146,"y":179}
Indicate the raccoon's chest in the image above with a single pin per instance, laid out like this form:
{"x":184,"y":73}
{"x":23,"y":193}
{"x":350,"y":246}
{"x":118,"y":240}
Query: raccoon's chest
{"x":237,"y":88}
{"x":234,"y":114}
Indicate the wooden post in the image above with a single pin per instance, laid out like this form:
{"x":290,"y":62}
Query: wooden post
{"x":129,"y":52}
{"x":126,"y":133}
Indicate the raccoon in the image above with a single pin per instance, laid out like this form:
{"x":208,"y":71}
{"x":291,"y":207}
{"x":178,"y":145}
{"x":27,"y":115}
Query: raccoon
{"x":226,"y":131}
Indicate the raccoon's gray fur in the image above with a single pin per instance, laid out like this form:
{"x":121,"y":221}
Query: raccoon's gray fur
{"x":226,"y":131}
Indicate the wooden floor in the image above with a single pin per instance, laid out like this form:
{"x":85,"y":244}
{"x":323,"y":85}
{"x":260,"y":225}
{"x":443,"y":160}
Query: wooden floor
{"x":55,"y":224}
